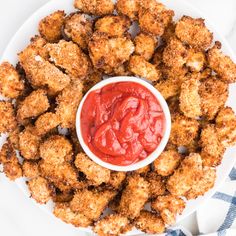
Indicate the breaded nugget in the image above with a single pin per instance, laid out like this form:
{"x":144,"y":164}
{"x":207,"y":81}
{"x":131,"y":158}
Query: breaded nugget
{"x":194,"y":32}
{"x":46,"y":122}
{"x":225,"y":126}
{"x":113,"y":224}
{"x":122,"y":70}
{"x":95,"y":7}
{"x":176,"y":74}
{"x":134,"y":196}
{"x":196,"y":60}
{"x":93,"y":78}
{"x":29,"y":143}
{"x":168,"y":206}
{"x":30,"y":169}
{"x":145,"y":45}
{"x":169,"y":32}
{"x":33,"y":105}
{"x":175,"y":53}
{"x":129,"y":8}
{"x":142,"y":68}
{"x":156,"y":184}
{"x":77,"y":148}
{"x":8,"y":119}
{"x":221,"y":64}
{"x":214,"y":94}
{"x":79,"y":29}
{"x":10,"y":162}
{"x":144,"y":170}
{"x":94,"y":172}
{"x":113,"y":25}
{"x":204,"y":184}
{"x":62,"y":197}
{"x":91,"y":202}
{"x":190,"y":100}
{"x":189,"y":172}
{"x":167,"y":162}
{"x":56,"y":150}
{"x":116,"y":179}
{"x":50,"y":26}
{"x":63,"y":212}
{"x":40,"y":189}
{"x":13,"y":137}
{"x":70,"y":57}
{"x":184,"y":130}
{"x":150,"y":223}
{"x":68,"y":101}
{"x":11,"y":84}
{"x":109,"y":53}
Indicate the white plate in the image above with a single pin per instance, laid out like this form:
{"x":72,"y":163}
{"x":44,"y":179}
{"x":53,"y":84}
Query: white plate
{"x":29,"y":29}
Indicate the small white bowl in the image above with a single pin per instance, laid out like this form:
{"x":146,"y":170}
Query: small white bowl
{"x":161,"y":145}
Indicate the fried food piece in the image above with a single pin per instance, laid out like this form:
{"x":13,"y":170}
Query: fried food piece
{"x":94,"y":172}
{"x":204,"y":184}
{"x":95,"y":7}
{"x":33,"y":105}
{"x":128,"y":8}
{"x":169,"y":32}
{"x":13,"y":137}
{"x":225,"y":126}
{"x":144,"y":170}
{"x":11,"y":84}
{"x":184,"y":130}
{"x":77,"y":148}
{"x":150,"y":223}
{"x":78,"y":28}
{"x":46,"y":122}
{"x":113,"y":224}
{"x":63,"y":212}
{"x":68,"y":102}
{"x":62,"y":197}
{"x":8,"y":119}
{"x":214,"y":94}
{"x":116,"y":179}
{"x":168,"y":206}
{"x":221,"y":64}
{"x":50,"y":26}
{"x":134,"y":196}
{"x":140,"y":67}
{"x":122,"y":70}
{"x":29,"y":143}
{"x":10,"y":162}
{"x":30,"y":169}
{"x":39,"y":71}
{"x":190,"y":100}
{"x":196,"y":60}
{"x":145,"y":45}
{"x":109,"y":53}
{"x":92,"y":79}
{"x":167,"y":162}
{"x":175,"y":53}
{"x":194,"y":32}
{"x":40,"y":189}
{"x":56,"y":150}
{"x":156,"y":184}
{"x":189,"y":172}
{"x":114,"y":26}
{"x":91,"y":202}
{"x":70,"y":57}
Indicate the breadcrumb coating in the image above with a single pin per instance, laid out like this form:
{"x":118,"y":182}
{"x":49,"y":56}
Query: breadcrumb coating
{"x":129,"y":8}
{"x":94,"y":172}
{"x":11,"y":84}
{"x":13,"y":137}
{"x":8,"y":119}
{"x":194,"y":32}
{"x":167,"y":162}
{"x":169,"y":32}
{"x":69,"y":56}
{"x":142,"y":68}
{"x":134,"y":196}
{"x":62,"y":197}
{"x":91,"y":202}
{"x":109,"y":53}
{"x":50,"y":26}
{"x":40,"y":190}
{"x":113,"y":224}
{"x":95,"y":7}
{"x":221,"y":64}
{"x":144,"y":170}
{"x":117,"y":178}
{"x":196,"y":60}
{"x":185,"y":176}
{"x":93,"y":78}
{"x":150,"y":223}
{"x":63,"y":212}
{"x":79,"y":28}
{"x":30,"y":169}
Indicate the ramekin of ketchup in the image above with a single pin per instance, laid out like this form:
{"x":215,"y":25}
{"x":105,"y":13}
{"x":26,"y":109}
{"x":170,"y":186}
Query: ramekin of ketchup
{"x":123,"y":123}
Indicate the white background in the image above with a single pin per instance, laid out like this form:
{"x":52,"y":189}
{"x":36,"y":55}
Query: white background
{"x":18,"y":215}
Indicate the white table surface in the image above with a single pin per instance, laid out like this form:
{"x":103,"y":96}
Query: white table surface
{"x":18,"y":215}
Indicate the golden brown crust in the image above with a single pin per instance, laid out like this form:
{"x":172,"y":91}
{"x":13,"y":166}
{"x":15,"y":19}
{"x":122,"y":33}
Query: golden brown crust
{"x":128,"y":8}
{"x":144,"y":170}
{"x":93,"y":78}
{"x":117,"y":178}
{"x":30,"y":169}
{"x":196,"y":60}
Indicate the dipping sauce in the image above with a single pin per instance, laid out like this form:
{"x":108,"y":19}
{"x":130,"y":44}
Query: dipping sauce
{"x":122,"y":123}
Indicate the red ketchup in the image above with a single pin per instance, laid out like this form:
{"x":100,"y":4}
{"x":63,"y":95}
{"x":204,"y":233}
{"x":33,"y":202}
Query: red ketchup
{"x":122,"y":123}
